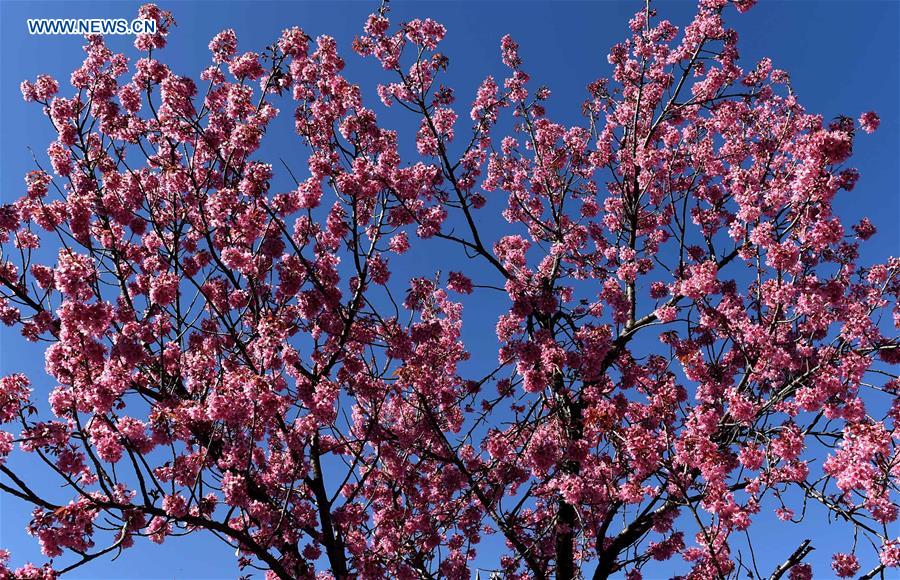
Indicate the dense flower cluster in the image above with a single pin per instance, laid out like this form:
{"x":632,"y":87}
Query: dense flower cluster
{"x":230,"y":355}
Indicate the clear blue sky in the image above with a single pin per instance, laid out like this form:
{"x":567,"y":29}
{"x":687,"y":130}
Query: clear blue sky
{"x":842,"y":56}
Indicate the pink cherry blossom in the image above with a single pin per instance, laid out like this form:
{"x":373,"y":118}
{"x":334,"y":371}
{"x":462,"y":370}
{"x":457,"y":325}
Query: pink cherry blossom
{"x":844,"y":565}
{"x":424,"y":339}
{"x":223,"y":46}
{"x":869,"y":121}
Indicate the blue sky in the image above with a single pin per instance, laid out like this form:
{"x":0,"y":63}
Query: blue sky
{"x":842,"y":56}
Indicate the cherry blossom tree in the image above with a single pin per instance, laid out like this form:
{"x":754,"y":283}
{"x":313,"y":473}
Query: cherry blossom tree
{"x":689,"y":335}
